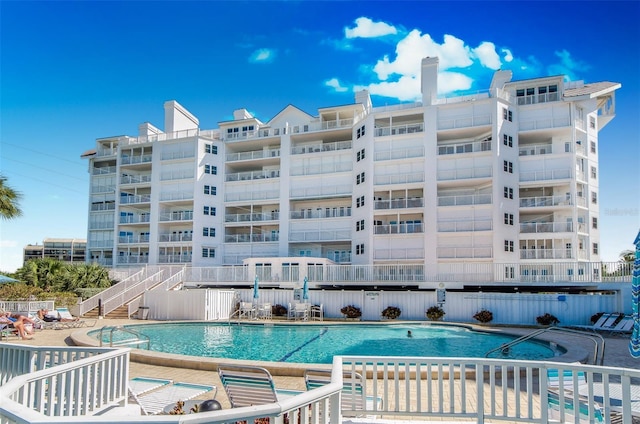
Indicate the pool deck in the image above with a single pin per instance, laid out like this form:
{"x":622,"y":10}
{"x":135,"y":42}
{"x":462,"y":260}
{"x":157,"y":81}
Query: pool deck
{"x":169,"y":366}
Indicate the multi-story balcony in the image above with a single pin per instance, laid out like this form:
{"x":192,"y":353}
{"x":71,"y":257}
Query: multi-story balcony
{"x":335,"y":212}
{"x":328,"y":168}
{"x":123,"y":260}
{"x":185,"y":154}
{"x":183,"y":174}
{"x":254,"y":154}
{"x":101,"y":225}
{"x":466,"y":147}
{"x":321,"y":191}
{"x":135,"y":179}
{"x":402,"y":228}
{"x":127,"y":200}
{"x":538,"y":98}
{"x":106,"y":206}
{"x":251,"y":217}
{"x":319,"y":235}
{"x":553,"y":174}
{"x":175,"y":259}
{"x":464,"y":121}
{"x":101,"y":152}
{"x":465,"y":200}
{"x":544,"y":123}
{"x":252,"y":195}
{"x":176,"y":195}
{"x":100,"y":244}
{"x":176,"y":216}
{"x":337,"y":256}
{"x":416,"y":177}
{"x":276,"y":132}
{"x":546,"y":227}
{"x":135,"y":159}
{"x":152,"y":138}
{"x":102,"y":188}
{"x":174,"y":237}
{"x":535,"y":149}
{"x":251,"y":238}
{"x":464,"y":174}
{"x":399,"y":129}
{"x":253,"y":175}
{"x":545,"y":201}
{"x":416,"y":202}
{"x":398,"y":254}
{"x":465,"y":225}
{"x":410,"y":152}
{"x":465,"y":252}
{"x":135,"y":219}
{"x":133,"y":239}
{"x":103,"y":170}
{"x":546,"y":254}
{"x":321,"y":147}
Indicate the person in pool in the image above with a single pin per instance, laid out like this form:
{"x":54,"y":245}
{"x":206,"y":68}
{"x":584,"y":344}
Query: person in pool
{"x":409,"y":334}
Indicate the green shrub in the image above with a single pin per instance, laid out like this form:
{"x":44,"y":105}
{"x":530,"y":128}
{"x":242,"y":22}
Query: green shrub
{"x":435,"y":313}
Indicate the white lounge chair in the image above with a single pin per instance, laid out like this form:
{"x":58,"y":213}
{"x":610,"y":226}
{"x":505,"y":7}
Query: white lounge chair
{"x":301,"y":311}
{"x":248,"y":385}
{"x":605,"y":321}
{"x":563,"y":395}
{"x":247,"y":310}
{"x":141,"y":385}
{"x":68,"y":320}
{"x":156,"y":401}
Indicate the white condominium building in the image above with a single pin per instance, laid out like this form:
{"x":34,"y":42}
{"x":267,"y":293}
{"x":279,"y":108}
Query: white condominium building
{"x":507,"y":178}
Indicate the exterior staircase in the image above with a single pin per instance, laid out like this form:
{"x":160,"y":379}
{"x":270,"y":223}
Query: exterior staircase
{"x":120,"y":312}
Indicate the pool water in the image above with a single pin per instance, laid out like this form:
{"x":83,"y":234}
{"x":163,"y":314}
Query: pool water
{"x":319,"y":343}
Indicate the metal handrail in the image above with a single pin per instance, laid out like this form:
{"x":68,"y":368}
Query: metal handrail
{"x":568,"y":331}
{"x":137,"y":341}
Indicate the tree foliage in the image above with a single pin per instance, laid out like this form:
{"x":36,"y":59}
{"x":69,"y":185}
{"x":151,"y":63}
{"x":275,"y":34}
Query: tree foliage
{"x":52,"y":275}
{"x":9,"y":201}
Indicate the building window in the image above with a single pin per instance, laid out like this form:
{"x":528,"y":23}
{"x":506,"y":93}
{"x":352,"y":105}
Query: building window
{"x":360,"y":132}
{"x":209,"y":210}
{"x":210,"y":169}
{"x":592,"y":122}
{"x":360,"y":156}
{"x":594,"y":197}
{"x":360,"y":178}
{"x":595,"y":248}
{"x":507,"y":114}
{"x":594,"y":222}
{"x":209,"y":232}
{"x":208,"y":252}
{"x":509,"y":272}
{"x":594,"y":172}
{"x":210,"y":190}
{"x":360,"y":249}
{"x":508,"y":167}
{"x":508,"y":245}
{"x":360,"y":201}
{"x":508,"y":218}
{"x":508,"y":193}
{"x":360,"y":225}
{"x":507,"y":140}
{"x":593,"y":147}
{"x":210,"y":148}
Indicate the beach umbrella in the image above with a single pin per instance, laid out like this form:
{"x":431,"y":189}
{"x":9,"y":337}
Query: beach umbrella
{"x":634,"y":343}
{"x":256,"y":293}
{"x":5,"y":279}
{"x":305,"y":289}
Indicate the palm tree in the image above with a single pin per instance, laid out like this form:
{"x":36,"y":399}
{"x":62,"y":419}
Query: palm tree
{"x":9,"y":198}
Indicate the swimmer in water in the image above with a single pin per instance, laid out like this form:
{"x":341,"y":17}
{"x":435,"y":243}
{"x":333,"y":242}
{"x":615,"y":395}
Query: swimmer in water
{"x":409,"y":334}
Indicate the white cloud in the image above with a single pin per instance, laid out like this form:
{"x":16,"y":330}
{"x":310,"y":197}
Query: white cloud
{"x":568,"y":66}
{"x":262,"y":56}
{"x":366,"y":28}
{"x":508,"y":57}
{"x":8,"y":243}
{"x":487,"y":55}
{"x":335,"y":84}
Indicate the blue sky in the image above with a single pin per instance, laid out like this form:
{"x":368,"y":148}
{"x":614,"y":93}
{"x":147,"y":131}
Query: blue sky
{"x":71,"y":72}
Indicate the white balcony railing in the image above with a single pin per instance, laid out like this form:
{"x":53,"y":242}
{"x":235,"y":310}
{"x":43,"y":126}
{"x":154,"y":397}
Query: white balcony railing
{"x":546,"y":227}
{"x":538,"y":98}
{"x":545,"y":201}
{"x":321,"y":147}
{"x":101,"y":225}
{"x":96,"y":207}
{"x":127,"y":200}
{"x":416,"y":202}
{"x":468,"y":147}
{"x":135,"y":159}
{"x":177,"y":216}
{"x":465,"y":225}
{"x":254,"y":154}
{"x":175,"y":259}
{"x":133,"y":239}
{"x":124,"y":260}
{"x":410,"y":152}
{"x":464,"y":174}
{"x":399,"y":129}
{"x":103,"y":170}
{"x":406,"y":228}
{"x":540,"y":124}
{"x":251,"y":238}
{"x":464,"y":200}
{"x":553,"y":174}
{"x":546,"y":253}
{"x":135,"y":179}
{"x":328,"y":168}
{"x":135,"y":219}
{"x":252,"y":175}
{"x":465,"y":252}
{"x":465,"y":121}
{"x":252,"y":195}
{"x":176,"y":175}
{"x":176,"y":195}
{"x":184,"y":154}
{"x":321,"y":191}
{"x":416,"y":177}
{"x":399,"y":254}
{"x":320,"y":235}
{"x":536,"y":149}
{"x":251,"y":217}
{"x":337,"y":212}
{"x":171,"y":237}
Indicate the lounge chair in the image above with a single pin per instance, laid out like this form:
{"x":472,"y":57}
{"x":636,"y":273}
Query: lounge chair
{"x":141,"y":385}
{"x":68,"y":320}
{"x":354,"y":397}
{"x":625,"y":325}
{"x":605,"y":321}
{"x":156,"y":401}
{"x":248,"y":385}
{"x":564,"y":393}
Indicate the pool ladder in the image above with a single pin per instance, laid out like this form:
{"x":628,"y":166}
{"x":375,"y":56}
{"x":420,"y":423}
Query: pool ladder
{"x":597,"y":340}
{"x":137,"y":339}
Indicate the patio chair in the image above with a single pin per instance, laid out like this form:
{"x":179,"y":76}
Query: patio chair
{"x":248,"y":385}
{"x":354,"y":397}
{"x":264,"y":311}
{"x":301,"y":311}
{"x":68,"y":320}
{"x":141,"y":385}
{"x":156,"y":401}
{"x":247,"y":310}
{"x":317,"y":312}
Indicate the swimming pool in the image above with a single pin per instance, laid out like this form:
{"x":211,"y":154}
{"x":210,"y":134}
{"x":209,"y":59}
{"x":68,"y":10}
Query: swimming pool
{"x":319,"y":343}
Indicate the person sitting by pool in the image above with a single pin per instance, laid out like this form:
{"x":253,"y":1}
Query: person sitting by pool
{"x":17,"y":321}
{"x":45,"y":316}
